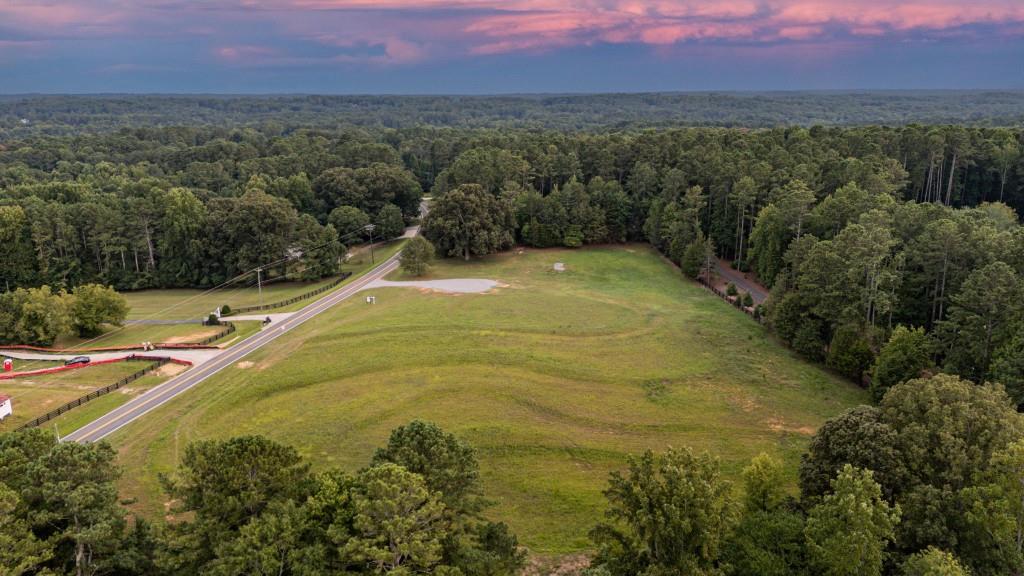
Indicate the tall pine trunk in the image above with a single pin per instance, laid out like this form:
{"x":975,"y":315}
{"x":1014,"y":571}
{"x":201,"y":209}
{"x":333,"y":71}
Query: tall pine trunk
{"x":949,"y":187}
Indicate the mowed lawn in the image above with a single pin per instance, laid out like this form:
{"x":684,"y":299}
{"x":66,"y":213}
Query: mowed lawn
{"x":34,"y":396}
{"x":135,"y":334}
{"x":553,"y":378}
{"x":189,"y":304}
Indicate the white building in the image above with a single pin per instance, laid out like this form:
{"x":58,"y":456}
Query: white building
{"x":5,"y":406}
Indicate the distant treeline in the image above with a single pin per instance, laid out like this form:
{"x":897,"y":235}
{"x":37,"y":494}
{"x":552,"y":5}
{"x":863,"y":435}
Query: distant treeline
{"x":20,"y":115}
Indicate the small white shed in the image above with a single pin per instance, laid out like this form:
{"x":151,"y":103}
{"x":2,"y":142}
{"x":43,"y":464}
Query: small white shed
{"x":5,"y":406}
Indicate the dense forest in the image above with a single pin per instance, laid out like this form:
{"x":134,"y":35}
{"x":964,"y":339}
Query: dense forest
{"x":894,"y":254}
{"x":929,"y":483}
{"x":20,"y":115}
{"x":856,"y":230}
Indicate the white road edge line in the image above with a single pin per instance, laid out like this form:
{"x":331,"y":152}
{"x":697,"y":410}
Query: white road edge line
{"x":134,"y":409}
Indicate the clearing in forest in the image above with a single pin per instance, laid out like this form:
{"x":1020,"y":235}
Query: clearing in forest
{"x":554,"y":378}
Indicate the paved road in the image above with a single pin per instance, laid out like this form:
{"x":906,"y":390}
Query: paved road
{"x":160,"y":395}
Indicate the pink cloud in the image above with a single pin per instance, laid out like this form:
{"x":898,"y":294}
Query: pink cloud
{"x":246,"y":53}
{"x":800,"y":32}
{"x":61,"y":17}
{"x":405,"y":31}
{"x":520,"y":25}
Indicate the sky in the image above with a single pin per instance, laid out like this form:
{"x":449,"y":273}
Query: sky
{"x":507,"y":46}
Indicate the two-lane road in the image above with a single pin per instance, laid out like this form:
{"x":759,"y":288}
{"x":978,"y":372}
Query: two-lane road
{"x":160,"y":395}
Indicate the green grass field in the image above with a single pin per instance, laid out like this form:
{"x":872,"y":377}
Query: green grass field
{"x":185,"y":304}
{"x":34,"y":396}
{"x":133,"y":334}
{"x":554,"y":379}
{"x":82,"y":415}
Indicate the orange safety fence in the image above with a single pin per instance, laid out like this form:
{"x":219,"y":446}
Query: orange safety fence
{"x":55,"y":369}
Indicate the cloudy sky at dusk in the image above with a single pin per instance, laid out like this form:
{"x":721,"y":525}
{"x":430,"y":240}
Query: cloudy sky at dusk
{"x":486,"y":46}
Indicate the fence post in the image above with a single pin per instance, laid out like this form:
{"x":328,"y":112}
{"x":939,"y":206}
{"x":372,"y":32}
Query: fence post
{"x":306,"y":295}
{"x":156,"y":363}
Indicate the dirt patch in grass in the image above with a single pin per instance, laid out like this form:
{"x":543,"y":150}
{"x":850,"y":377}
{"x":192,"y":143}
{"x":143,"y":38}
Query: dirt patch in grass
{"x":554,"y":385}
{"x":168,"y":370}
{"x":780,"y":426}
{"x":190,"y":337}
{"x":567,"y":565}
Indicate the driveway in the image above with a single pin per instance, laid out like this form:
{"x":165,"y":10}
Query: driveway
{"x":729,"y":274}
{"x":196,"y":357}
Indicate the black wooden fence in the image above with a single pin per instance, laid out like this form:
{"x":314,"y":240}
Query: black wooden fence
{"x":305,"y":296}
{"x":228,"y":329}
{"x":157,"y":362}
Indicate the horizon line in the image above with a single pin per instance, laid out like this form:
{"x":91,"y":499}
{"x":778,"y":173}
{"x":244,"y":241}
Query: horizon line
{"x":837,"y":91}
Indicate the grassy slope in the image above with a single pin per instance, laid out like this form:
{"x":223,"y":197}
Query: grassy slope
{"x":553,"y":380}
{"x":86,"y":413}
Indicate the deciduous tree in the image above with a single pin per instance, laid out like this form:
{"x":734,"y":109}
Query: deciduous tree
{"x":417,"y":255}
{"x":905,"y":356}
{"x":848,"y":531}
{"x":469,"y":221}
{"x":93,"y":305}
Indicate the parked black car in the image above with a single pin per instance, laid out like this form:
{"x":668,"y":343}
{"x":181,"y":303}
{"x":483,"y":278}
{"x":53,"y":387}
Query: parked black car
{"x":77,"y":360}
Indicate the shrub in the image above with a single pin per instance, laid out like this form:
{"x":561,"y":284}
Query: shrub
{"x":850,"y":354}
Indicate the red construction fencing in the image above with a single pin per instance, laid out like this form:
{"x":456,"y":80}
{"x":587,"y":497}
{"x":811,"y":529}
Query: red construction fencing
{"x":157,"y":362}
{"x":55,"y":369}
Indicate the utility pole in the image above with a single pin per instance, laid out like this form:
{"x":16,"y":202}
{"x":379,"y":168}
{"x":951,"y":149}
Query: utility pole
{"x":370,"y":227}
{"x":259,"y":283}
